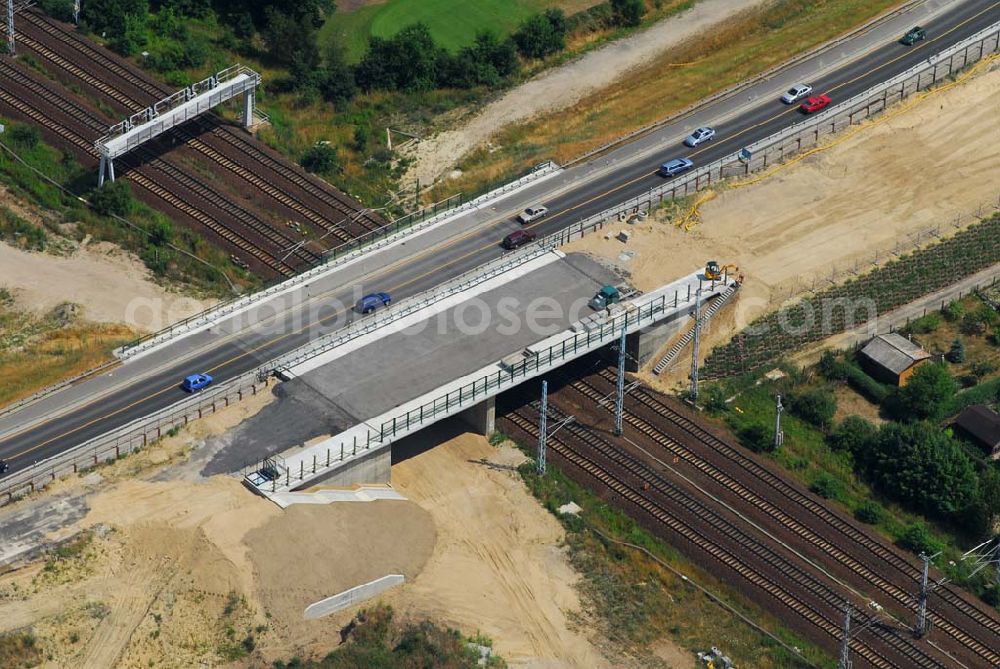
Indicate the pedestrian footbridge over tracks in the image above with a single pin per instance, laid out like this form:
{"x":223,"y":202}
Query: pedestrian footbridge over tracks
{"x":341,"y":411}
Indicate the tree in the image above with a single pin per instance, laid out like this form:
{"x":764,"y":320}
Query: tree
{"x":916,"y":538}
{"x":815,"y":406}
{"x":58,"y":9}
{"x":113,"y":198}
{"x":123,"y":21}
{"x":319,"y":159}
{"x":628,"y":12}
{"x":826,"y":486}
{"x":953,"y":311}
{"x":336,"y":79}
{"x":407,"y":61}
{"x":956,"y":353}
{"x":855,"y":435}
{"x":925,"y":393}
{"x":870,"y":512}
{"x":922,"y":467}
{"x":756,"y":437}
{"x":541,"y":34}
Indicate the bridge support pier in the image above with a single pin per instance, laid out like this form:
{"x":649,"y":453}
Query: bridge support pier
{"x":248,"y":103}
{"x":482,"y":417}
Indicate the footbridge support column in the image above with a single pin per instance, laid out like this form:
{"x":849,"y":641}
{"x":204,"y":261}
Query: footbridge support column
{"x":482,"y":417}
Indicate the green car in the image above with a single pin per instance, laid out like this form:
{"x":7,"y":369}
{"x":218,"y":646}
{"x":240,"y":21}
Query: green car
{"x":914,"y":35}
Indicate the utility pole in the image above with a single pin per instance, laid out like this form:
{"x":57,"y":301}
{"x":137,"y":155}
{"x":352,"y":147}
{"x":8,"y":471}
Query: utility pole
{"x":620,"y":386}
{"x":542,"y":420}
{"x":845,"y":642}
{"x":922,"y":627}
{"x":697,"y":342}
{"x":76,"y":12}
{"x":10,"y":26}
{"x":779,"y":436}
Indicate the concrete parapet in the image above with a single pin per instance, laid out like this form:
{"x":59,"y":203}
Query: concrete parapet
{"x":372,"y":467}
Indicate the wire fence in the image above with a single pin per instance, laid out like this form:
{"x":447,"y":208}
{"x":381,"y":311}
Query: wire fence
{"x":757,"y":156}
{"x":743,"y":85}
{"x":128,"y":438}
{"x":875,"y":257}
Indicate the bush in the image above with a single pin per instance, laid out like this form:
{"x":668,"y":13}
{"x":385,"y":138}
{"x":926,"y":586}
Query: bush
{"x":928,"y":390}
{"x":956,"y":353}
{"x":917,"y":539}
{"x":924,"y":324}
{"x":24,"y":136}
{"x":61,"y":10}
{"x":826,"y":486}
{"x":815,"y":406}
{"x":756,"y":437}
{"x":408,"y":61}
{"x":715,"y":399}
{"x":541,"y":34}
{"x":923,"y":468}
{"x":982,"y":368}
{"x":114,"y":198}
{"x":319,"y":159}
{"x":854,"y":435}
{"x":953,"y":311}
{"x":628,"y":13}
{"x":870,"y":512}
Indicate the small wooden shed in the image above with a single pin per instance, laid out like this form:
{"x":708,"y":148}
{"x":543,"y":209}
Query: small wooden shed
{"x":981,"y":424}
{"x":891,"y":358}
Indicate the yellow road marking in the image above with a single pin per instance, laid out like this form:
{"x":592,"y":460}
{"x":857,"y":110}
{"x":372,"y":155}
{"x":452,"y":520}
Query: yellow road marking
{"x":483,"y":248}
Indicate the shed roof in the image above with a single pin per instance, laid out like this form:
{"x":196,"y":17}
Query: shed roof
{"x":982,"y":423}
{"x":894,"y":352}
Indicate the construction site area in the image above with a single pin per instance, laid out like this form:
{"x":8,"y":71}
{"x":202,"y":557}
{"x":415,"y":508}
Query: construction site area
{"x":579,"y":504}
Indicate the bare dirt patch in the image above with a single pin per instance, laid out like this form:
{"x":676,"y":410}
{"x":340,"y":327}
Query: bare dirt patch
{"x":564,"y":86}
{"x":833,"y":210}
{"x":499,"y":565}
{"x":332,"y":548}
{"x":111,"y":286}
{"x":182,"y":570}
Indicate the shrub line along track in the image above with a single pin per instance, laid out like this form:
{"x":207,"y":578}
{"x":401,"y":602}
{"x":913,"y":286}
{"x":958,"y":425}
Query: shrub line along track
{"x":909,"y":572}
{"x":647,"y":420}
{"x":80,"y":122}
{"x":758,"y":562}
{"x":969,"y":629}
{"x":133,"y":91}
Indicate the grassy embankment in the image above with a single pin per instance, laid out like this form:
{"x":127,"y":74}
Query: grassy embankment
{"x":453,"y":23}
{"x":743,"y":46}
{"x":38,"y":351}
{"x":637,"y":600}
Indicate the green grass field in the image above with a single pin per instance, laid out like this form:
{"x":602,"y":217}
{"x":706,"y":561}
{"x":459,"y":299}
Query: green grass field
{"x":452,"y":22}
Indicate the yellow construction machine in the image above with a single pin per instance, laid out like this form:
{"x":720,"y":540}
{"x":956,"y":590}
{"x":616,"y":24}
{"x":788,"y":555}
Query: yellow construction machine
{"x":715,"y":272}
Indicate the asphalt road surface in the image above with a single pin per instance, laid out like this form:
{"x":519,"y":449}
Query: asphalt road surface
{"x":426,"y":270}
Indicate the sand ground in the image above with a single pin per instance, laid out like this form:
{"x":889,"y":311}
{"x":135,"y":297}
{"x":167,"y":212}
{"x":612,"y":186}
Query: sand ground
{"x":832,"y":212}
{"x":111,"y":285}
{"x":563,"y":86}
{"x":179,"y":569}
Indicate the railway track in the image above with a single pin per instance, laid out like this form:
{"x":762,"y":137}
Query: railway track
{"x":983,"y":642}
{"x":753,"y":559}
{"x":81,"y":123}
{"x":134,"y":91}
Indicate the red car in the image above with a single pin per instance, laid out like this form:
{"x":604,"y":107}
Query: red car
{"x":814,"y":104}
{"x":518,"y":238}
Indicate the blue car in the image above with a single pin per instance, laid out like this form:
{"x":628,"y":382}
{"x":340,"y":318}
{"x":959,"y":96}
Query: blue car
{"x":370,"y":303}
{"x":196,"y":382}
